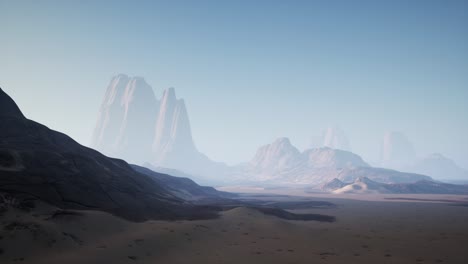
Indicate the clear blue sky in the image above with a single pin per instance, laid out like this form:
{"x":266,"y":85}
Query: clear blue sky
{"x":250,"y":71}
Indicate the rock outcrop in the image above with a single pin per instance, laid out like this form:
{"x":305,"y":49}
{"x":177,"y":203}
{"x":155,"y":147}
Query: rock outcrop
{"x":135,"y":126}
{"x":282,"y":163}
{"x":125,"y":125}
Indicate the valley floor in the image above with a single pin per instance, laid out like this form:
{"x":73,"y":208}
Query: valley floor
{"x":365,"y":232}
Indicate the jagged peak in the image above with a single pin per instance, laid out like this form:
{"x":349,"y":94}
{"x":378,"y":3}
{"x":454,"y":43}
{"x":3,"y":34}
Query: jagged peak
{"x":282,"y":141}
{"x":8,"y":107}
{"x":169,"y":94}
{"x":119,"y":78}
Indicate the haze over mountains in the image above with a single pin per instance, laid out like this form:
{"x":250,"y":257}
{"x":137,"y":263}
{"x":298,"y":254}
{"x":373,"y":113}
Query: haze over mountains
{"x":126,"y":119}
{"x":397,"y":150}
{"x":282,"y":163}
{"x":39,"y":163}
{"x":335,"y":138}
{"x":135,"y":125}
{"x":398,"y":153}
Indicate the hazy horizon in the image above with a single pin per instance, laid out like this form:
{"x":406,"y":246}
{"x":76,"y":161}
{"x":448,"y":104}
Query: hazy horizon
{"x":250,"y":73}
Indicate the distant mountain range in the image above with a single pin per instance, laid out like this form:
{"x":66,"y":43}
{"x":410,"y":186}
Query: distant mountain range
{"x":282,"y":163}
{"x":135,"y":125}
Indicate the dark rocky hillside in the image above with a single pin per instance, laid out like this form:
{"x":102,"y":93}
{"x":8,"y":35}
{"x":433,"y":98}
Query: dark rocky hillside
{"x":44,"y":164}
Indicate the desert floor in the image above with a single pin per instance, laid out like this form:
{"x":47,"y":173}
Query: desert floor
{"x":366,"y":231}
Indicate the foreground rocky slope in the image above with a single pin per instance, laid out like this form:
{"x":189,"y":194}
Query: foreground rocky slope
{"x":184,"y":187}
{"x":40,"y":163}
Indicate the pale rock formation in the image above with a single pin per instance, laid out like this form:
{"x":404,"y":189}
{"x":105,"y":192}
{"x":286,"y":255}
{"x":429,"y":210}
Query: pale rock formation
{"x":126,"y":119}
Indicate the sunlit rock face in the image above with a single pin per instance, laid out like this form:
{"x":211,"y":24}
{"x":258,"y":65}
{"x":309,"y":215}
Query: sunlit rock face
{"x":397,"y":151}
{"x":172,"y":141}
{"x":134,"y":125}
{"x":281,"y":163}
{"x":277,"y":156}
{"x":126,"y":119}
{"x":334,"y":158}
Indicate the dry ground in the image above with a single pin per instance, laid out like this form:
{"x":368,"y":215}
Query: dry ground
{"x":365,"y":232}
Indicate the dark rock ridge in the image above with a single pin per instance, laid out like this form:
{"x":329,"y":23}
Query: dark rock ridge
{"x":184,"y":187}
{"x":50,"y":166}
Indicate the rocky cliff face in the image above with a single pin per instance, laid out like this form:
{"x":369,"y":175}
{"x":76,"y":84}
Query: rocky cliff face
{"x":172,"y":144}
{"x":279,"y":155}
{"x":134,"y":125}
{"x":126,"y":119}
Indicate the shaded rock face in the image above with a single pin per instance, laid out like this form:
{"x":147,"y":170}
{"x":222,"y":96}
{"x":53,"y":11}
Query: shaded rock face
{"x":52,"y":167}
{"x":184,"y":187}
{"x":8,"y":107}
{"x":397,"y":151}
{"x":126,"y":119}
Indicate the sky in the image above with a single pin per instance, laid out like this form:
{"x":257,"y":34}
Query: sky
{"x":250,"y":71}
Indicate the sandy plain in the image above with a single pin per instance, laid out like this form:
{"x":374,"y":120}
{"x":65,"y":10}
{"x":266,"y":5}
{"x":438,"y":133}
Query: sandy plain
{"x":366,"y":230}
